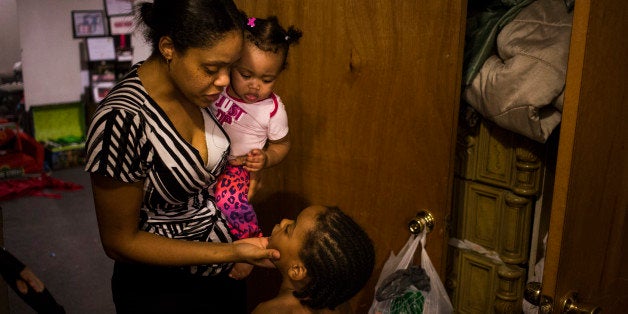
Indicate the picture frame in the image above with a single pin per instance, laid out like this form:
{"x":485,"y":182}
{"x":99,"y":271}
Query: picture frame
{"x":101,"y":48}
{"x":100,"y":90}
{"x":124,"y":48}
{"x":119,"y":7}
{"x":121,"y":24}
{"x":88,"y":23}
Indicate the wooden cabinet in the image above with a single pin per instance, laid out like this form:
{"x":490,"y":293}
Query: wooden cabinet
{"x":497,"y":179}
{"x":587,"y":197}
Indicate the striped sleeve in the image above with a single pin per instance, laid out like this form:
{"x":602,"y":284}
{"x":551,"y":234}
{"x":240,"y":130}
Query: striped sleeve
{"x":116,"y":145}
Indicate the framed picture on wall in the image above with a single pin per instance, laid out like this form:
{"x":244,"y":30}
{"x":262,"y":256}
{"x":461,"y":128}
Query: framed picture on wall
{"x":101,"y":89}
{"x":121,"y":24}
{"x":124,"y":49}
{"x":119,"y":7}
{"x":101,"y":48}
{"x":88,"y":23}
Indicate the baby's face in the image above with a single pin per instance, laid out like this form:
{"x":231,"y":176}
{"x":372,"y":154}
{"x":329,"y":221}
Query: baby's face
{"x":254,"y":75}
{"x":288,"y":236}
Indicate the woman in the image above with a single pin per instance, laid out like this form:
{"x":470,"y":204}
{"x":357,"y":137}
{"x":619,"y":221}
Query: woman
{"x":154,"y":150}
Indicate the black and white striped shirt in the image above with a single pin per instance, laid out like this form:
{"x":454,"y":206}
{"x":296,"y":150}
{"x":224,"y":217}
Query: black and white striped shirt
{"x":131,"y":139}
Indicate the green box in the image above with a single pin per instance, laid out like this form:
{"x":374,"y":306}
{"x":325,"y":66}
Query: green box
{"x":61,"y":129}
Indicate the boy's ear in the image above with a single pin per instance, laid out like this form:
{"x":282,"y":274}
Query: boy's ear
{"x":166,"y":47}
{"x":297,"y":272}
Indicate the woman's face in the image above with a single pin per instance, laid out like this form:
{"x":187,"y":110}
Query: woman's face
{"x":201,"y":74}
{"x":255,"y":74}
{"x":288,"y":236}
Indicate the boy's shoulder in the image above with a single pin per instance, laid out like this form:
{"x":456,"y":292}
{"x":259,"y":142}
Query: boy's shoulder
{"x":279,"y":305}
{"x":291,"y":305}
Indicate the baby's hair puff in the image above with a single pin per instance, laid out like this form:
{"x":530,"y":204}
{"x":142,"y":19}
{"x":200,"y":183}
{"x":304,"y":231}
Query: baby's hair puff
{"x":268,"y":35}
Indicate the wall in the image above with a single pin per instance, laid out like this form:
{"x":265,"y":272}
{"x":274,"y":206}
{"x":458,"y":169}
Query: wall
{"x":9,"y":37}
{"x":50,"y":55}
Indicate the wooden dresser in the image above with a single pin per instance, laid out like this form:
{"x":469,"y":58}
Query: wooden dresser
{"x":497,"y":181}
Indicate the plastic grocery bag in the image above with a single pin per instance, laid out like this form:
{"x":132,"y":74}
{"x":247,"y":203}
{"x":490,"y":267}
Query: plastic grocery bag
{"x":436,"y":301}
{"x":395,"y":262}
{"x":433,"y":300}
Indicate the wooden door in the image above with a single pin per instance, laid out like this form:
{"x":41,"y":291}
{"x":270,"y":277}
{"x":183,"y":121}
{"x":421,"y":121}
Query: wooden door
{"x":372,"y":93}
{"x":587,"y":248}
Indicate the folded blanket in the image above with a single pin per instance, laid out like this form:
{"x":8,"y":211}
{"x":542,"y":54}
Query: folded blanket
{"x":520,"y":88}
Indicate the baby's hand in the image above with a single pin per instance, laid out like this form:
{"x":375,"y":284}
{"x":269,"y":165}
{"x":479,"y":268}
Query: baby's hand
{"x":240,"y":271}
{"x":255,"y":160}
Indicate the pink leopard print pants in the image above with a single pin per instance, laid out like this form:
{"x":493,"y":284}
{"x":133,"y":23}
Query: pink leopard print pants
{"x":231,"y":192}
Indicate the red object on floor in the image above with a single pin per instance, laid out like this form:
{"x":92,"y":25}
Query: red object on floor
{"x":13,"y":188}
{"x":23,"y":152}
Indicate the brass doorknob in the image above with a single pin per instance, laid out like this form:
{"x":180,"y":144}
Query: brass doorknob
{"x":422,"y":220}
{"x":571,"y":304}
{"x":532,"y":294}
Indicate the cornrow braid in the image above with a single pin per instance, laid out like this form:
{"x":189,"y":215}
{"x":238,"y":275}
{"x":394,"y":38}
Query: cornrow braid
{"x":268,"y":35}
{"x":339,"y":258}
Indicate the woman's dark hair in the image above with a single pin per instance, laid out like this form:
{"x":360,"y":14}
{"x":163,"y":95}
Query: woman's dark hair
{"x":268,"y":35}
{"x":190,"y":23}
{"x":339,"y":258}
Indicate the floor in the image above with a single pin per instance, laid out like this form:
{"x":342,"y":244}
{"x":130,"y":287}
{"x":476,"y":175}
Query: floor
{"x":58,"y":239}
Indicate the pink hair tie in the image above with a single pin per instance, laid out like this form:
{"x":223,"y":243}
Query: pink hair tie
{"x":251,"y":22}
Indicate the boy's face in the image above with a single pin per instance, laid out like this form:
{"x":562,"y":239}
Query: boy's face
{"x":255,"y":74}
{"x":288,"y":236}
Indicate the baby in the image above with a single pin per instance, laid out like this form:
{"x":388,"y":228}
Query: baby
{"x":254,"y":117}
{"x":326,"y":258}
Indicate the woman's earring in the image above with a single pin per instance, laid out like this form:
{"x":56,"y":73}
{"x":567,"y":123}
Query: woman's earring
{"x":167,"y":59}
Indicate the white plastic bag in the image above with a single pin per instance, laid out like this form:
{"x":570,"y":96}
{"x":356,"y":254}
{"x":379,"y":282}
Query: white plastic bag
{"x":436,"y":301}
{"x":394,"y":262}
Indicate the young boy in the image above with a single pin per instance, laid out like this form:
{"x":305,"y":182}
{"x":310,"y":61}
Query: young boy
{"x":326,"y":258}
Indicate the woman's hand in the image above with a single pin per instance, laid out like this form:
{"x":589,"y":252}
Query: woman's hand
{"x":240,"y":271}
{"x":254,"y":252}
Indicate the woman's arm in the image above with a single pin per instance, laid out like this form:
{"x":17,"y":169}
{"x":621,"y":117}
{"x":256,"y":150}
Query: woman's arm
{"x":117,"y":210}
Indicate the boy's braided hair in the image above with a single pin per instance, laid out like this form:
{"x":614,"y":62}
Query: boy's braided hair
{"x":339,"y":258}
